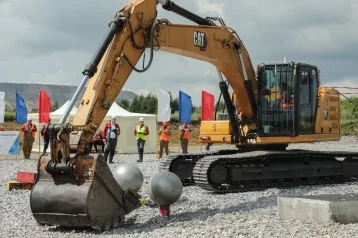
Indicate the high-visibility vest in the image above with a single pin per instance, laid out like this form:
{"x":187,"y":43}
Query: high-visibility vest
{"x":141,"y":136}
{"x":186,"y":134}
{"x":165,"y":136}
{"x":27,"y":134}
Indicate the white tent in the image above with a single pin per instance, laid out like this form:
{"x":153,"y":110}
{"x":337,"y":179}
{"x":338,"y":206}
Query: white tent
{"x":126,"y":120}
{"x":59,"y":112}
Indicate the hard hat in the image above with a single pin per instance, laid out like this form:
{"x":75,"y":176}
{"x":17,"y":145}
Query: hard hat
{"x":29,"y":118}
{"x":113,"y":117}
{"x":141,"y":119}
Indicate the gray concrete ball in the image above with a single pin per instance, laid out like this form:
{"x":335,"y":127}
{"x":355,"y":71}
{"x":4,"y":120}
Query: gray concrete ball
{"x":164,"y":188}
{"x":129,"y":176}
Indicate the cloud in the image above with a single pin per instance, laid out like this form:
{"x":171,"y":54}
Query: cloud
{"x":210,"y":6}
{"x":145,"y":92}
{"x":54,"y":45}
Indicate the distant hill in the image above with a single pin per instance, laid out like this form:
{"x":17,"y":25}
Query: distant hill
{"x":60,"y":93}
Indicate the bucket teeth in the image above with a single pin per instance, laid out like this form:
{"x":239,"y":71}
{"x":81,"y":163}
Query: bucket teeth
{"x":95,"y":201}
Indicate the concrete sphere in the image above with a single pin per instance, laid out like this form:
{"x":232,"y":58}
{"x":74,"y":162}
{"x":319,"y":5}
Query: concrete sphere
{"x":164,"y":188}
{"x":128,"y":176}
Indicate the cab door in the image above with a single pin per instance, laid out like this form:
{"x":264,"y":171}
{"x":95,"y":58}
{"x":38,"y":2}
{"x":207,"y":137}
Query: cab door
{"x":307,"y":79}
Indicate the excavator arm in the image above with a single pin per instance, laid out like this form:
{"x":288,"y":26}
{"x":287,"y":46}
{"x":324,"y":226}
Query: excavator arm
{"x":138,"y":29}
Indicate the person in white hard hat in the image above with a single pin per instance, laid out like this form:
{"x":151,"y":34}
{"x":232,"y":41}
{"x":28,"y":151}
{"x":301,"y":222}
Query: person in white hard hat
{"x":28,"y":137}
{"x":141,"y":132}
{"x":110,"y":134}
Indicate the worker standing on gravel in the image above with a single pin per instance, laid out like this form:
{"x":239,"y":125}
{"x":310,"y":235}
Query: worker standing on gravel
{"x":28,"y":137}
{"x":110,"y":134}
{"x":141,"y":132}
{"x":164,"y":138}
{"x":184,"y":137}
{"x":45,"y":133}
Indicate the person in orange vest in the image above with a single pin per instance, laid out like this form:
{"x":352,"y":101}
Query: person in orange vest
{"x":164,"y":133}
{"x":28,"y":135}
{"x":184,"y":137}
{"x":45,"y":133}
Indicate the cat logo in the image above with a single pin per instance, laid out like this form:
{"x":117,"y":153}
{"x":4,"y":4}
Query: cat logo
{"x":199,"y":40}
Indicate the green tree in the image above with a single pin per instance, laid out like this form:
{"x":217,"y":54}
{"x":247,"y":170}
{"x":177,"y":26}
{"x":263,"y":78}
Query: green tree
{"x":349,"y":108}
{"x":220,"y":105}
{"x":124,"y":103}
{"x":142,"y":105}
{"x":150,"y":104}
{"x":135,"y":106}
{"x":55,"y":106}
{"x":174,"y":103}
{"x":195,"y":109}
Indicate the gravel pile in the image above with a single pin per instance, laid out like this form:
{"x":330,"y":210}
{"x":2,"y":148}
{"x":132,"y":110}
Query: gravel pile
{"x":197,"y":214}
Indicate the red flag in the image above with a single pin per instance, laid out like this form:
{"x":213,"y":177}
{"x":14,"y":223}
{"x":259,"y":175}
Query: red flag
{"x":44,"y":107}
{"x":207,"y":106}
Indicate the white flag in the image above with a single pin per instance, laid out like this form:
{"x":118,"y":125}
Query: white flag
{"x":2,"y":107}
{"x":164,"y":110}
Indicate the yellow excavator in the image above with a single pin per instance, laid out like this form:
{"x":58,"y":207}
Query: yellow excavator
{"x":280,"y":104}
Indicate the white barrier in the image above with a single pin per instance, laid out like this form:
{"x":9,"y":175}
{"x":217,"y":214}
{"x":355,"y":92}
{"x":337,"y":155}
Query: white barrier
{"x":9,"y":143}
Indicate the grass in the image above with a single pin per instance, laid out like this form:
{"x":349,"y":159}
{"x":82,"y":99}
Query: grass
{"x":194,"y":117}
{"x":349,"y":127}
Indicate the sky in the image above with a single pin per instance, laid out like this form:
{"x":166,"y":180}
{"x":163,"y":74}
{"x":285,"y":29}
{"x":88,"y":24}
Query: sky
{"x":51,"y":42}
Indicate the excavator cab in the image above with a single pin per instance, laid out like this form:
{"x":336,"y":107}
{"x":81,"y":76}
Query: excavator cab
{"x":287,"y":101}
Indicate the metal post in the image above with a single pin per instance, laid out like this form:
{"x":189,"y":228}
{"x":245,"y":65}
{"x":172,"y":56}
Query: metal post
{"x":179,"y":147}
{"x":74,"y":99}
{"x":39,"y":144}
{"x":156,"y":144}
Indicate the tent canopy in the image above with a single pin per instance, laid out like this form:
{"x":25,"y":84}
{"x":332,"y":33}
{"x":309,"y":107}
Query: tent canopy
{"x":61,"y":110}
{"x":126,"y":120}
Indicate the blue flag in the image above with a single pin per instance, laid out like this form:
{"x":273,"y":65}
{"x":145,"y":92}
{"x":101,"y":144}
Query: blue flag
{"x":21,"y":110}
{"x":185,"y":107}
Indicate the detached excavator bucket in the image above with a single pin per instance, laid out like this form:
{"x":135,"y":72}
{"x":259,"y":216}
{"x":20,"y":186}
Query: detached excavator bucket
{"x":97,"y":201}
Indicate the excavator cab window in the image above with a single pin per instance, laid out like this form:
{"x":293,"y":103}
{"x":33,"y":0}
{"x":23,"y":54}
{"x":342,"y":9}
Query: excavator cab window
{"x":307,"y":77}
{"x":276,"y":110}
{"x":287,"y":99}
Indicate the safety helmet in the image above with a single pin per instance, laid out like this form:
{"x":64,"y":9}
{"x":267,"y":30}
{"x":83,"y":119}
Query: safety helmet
{"x":141,"y":119}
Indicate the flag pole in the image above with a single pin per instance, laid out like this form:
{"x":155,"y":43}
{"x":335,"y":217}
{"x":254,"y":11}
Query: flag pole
{"x":156,"y":142}
{"x":39,"y":141}
{"x":39,"y":120}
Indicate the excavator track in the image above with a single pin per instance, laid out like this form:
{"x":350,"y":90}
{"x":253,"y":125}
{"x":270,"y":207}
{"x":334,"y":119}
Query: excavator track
{"x":259,"y":170}
{"x":183,"y":165}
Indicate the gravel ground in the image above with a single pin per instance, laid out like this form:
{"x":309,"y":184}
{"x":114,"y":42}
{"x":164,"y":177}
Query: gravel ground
{"x":197,"y":214}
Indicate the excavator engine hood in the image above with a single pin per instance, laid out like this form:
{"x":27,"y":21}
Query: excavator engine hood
{"x":97,"y":201}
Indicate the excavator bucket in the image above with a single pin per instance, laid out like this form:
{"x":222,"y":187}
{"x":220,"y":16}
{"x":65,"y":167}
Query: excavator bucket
{"x":97,"y":201}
